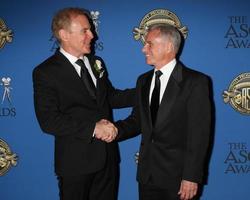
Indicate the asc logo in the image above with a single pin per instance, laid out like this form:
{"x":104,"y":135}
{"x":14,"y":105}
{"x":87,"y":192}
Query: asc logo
{"x":6,"y":108}
{"x":238,"y":33}
{"x":7,"y":158}
{"x":238,"y":94}
{"x":158,"y":16}
{"x":237,"y":160}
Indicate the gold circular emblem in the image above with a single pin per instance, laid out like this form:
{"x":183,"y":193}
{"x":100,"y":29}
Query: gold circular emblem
{"x":5,"y":34}
{"x":238,"y":94}
{"x":159,"y":16}
{"x":7,"y":158}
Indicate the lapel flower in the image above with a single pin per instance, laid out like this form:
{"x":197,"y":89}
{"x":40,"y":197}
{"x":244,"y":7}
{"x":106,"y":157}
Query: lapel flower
{"x":98,"y":67}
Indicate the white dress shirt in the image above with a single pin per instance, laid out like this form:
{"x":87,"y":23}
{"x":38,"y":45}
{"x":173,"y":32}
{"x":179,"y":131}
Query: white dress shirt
{"x":72,"y":59}
{"x":166,"y":72}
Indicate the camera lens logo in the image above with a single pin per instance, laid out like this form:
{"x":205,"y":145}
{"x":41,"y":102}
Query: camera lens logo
{"x":136,"y":156}
{"x":5,"y":34}
{"x":7,"y":158}
{"x":6,"y":107}
{"x":96,"y":21}
{"x":238,"y":94}
{"x":6,"y":89}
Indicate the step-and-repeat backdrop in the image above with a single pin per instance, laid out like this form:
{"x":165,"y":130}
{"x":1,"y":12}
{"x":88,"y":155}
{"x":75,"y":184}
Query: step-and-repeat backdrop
{"x":218,"y":44}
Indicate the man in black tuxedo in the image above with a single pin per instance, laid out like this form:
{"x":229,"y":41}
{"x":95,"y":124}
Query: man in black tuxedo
{"x":173,"y":113}
{"x":72,"y":93}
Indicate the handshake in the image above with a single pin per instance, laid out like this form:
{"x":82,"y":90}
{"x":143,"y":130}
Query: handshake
{"x":105,"y":130}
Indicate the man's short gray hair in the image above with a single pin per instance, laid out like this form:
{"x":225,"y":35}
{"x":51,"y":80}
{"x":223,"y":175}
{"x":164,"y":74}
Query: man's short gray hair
{"x":169,"y":32}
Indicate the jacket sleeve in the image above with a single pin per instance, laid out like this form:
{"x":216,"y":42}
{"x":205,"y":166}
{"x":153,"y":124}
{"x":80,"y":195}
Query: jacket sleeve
{"x":131,"y":126}
{"x":117,"y":98}
{"x":50,"y":118}
{"x":199,"y":124}
{"x":120,"y":98}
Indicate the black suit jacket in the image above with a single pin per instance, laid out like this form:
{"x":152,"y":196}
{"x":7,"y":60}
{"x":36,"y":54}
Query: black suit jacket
{"x":176,"y":147}
{"x":65,"y":109}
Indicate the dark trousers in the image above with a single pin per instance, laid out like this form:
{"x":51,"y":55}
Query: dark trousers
{"x":101,"y":185}
{"x":151,"y":192}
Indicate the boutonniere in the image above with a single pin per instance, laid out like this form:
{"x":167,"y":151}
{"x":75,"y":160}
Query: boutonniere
{"x":98,"y":67}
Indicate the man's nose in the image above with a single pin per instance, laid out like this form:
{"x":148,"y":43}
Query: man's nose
{"x":144,"y":49}
{"x":90,"y":34}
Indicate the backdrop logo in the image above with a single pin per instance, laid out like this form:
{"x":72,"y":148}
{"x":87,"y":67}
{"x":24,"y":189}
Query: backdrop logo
{"x":6,"y":34}
{"x":238,"y":94}
{"x":238,"y":32}
{"x":238,"y":159}
{"x":98,"y":44}
{"x":6,"y":108}
{"x":7,"y":158}
{"x":136,"y":156}
{"x":55,"y":43}
{"x":95,"y":18}
{"x":7,"y":89}
{"x":158,"y":16}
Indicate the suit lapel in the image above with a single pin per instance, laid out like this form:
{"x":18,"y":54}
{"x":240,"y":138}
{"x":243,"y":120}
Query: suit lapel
{"x":92,"y":63}
{"x":100,"y":84}
{"x":170,"y":94}
{"x":70,"y":73}
{"x":101,"y":91}
{"x":145,"y":99}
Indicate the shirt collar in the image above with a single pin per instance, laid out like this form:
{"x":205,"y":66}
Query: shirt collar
{"x":70,"y":57}
{"x":168,"y":68}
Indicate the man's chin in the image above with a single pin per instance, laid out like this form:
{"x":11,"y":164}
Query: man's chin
{"x":87,"y":51}
{"x":148,"y":62}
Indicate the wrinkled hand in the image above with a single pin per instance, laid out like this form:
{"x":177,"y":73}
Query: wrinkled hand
{"x":187,"y":190}
{"x":105,"y":130}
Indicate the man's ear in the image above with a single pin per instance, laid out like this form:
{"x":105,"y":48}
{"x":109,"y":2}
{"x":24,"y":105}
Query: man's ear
{"x":169,"y":47}
{"x":63,"y":34}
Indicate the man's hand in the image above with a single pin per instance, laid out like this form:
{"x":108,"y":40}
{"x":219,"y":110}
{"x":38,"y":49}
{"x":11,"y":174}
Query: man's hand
{"x":187,"y":190}
{"x":105,"y":130}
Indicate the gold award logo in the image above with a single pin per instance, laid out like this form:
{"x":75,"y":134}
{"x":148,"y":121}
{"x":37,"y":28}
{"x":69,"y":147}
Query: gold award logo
{"x":158,"y":16}
{"x":6,"y":34}
{"x":7,"y":158}
{"x":238,"y":94}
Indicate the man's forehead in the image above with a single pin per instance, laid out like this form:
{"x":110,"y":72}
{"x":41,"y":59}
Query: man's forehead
{"x":153,"y":34}
{"x":81,"y":20}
